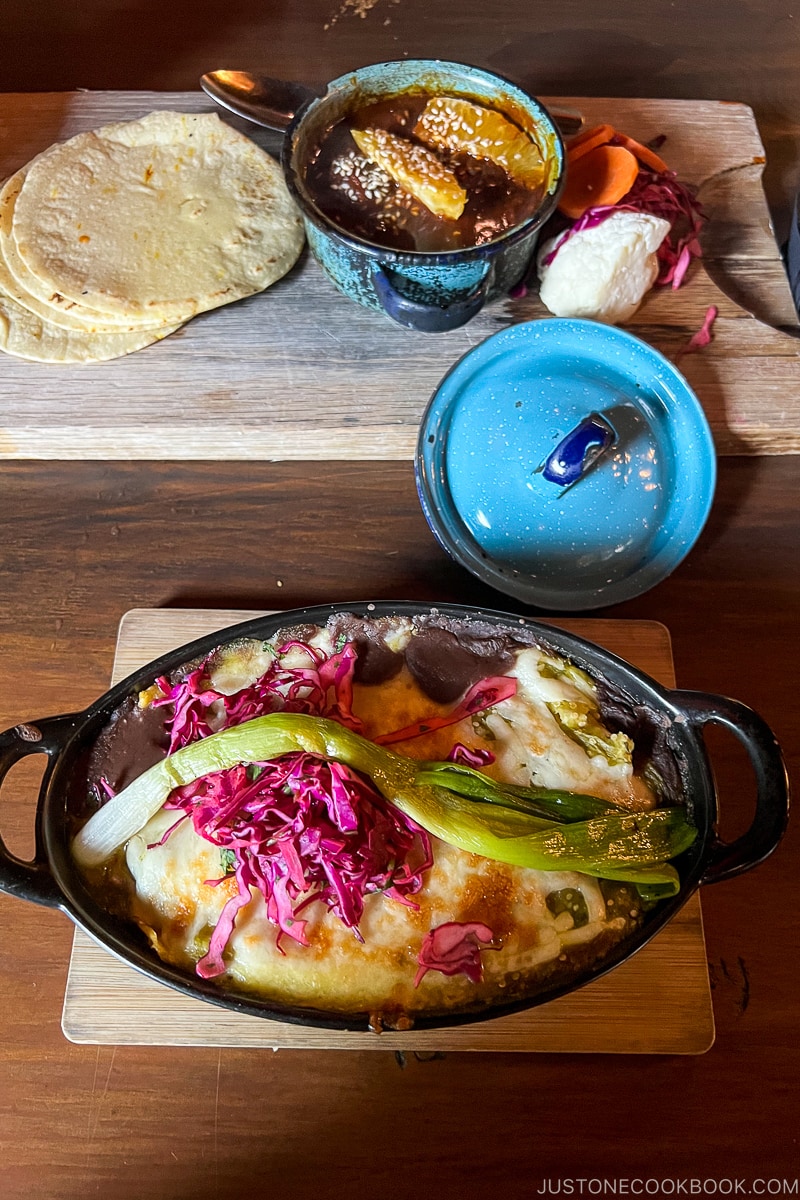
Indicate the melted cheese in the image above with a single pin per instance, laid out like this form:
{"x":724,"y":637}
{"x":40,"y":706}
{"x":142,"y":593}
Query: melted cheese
{"x":179,"y":907}
{"x":336,"y":971}
{"x":529,"y":745}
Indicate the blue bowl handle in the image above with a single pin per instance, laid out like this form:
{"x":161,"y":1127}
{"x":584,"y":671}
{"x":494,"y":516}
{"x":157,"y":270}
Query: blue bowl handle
{"x":772,"y":784}
{"x":428,"y":318}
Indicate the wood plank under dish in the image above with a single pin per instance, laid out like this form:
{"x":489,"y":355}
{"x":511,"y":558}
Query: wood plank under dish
{"x":300,"y":372}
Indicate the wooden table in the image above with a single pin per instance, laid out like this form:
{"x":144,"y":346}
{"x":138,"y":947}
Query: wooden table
{"x":84,"y":542}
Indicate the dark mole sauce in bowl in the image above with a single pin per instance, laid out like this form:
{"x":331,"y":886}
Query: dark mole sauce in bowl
{"x":362,"y":199}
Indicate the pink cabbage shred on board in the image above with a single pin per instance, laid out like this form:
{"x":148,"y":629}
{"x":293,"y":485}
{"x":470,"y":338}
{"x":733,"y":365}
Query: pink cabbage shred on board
{"x":703,"y":335}
{"x":661,"y":194}
{"x":301,"y":829}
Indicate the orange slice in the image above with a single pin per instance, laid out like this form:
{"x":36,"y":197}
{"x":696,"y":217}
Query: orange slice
{"x":415,"y":169}
{"x":454,"y":124}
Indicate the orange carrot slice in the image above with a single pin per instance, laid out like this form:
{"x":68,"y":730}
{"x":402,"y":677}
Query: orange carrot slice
{"x":601,"y":136}
{"x":605,"y":132}
{"x":643,"y":153}
{"x":601,"y":177}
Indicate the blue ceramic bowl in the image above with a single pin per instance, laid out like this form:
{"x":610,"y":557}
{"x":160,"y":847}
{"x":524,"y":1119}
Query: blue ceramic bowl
{"x":502,"y":463}
{"x":427,"y":292}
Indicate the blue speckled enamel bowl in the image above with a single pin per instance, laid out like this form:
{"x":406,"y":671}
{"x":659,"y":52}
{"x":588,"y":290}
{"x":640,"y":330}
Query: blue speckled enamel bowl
{"x":427,"y":292}
{"x":518,"y":406}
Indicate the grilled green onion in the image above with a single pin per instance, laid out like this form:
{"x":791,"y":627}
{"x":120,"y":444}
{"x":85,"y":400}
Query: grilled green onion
{"x":608,"y":842}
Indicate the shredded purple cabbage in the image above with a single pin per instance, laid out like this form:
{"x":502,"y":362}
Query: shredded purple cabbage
{"x":299,"y":829}
{"x":482,"y":695}
{"x":661,"y":194}
{"x":324,"y":688}
{"x":303,"y":829}
{"x":454,"y":949}
{"x":703,"y":335}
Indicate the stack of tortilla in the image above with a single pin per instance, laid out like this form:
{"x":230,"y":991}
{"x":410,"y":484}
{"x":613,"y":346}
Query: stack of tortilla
{"x":114,"y":239}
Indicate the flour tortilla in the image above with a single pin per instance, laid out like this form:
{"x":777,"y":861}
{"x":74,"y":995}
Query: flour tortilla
{"x":27,"y":336}
{"x":158,"y":218}
{"x":18,"y":282}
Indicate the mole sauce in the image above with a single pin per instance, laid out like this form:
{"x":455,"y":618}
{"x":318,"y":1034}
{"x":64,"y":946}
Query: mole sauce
{"x":363,"y":200}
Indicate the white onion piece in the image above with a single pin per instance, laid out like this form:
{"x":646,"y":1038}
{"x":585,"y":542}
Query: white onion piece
{"x":121,"y":817}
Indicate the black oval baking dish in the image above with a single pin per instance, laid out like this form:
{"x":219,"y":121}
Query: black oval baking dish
{"x":672,"y":720}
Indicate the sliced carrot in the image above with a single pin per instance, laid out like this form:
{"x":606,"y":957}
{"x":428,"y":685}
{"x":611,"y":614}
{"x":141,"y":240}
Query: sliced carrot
{"x":602,"y":135}
{"x":643,"y":153}
{"x":585,"y":135}
{"x":601,"y":177}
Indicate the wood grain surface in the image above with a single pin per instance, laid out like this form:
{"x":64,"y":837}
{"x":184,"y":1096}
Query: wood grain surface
{"x":657,"y":1003}
{"x":301,"y":372}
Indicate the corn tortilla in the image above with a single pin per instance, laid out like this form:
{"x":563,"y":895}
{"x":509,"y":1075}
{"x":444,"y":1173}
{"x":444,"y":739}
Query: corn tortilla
{"x":25,"y":335}
{"x":155,"y":219}
{"x":17,"y":281}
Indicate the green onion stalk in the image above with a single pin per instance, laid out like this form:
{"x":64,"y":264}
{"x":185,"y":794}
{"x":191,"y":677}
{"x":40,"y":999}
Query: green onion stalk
{"x":539,"y":828}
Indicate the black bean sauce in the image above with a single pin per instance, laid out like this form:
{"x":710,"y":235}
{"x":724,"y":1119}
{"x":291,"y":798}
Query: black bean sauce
{"x":360,"y":197}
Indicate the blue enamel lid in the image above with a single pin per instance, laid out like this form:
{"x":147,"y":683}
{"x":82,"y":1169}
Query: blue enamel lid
{"x":566,"y":463}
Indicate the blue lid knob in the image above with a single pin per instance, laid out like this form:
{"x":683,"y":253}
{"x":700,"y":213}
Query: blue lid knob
{"x":579,"y":450}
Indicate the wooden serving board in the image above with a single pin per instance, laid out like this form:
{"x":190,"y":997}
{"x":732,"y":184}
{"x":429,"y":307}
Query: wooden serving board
{"x":301,"y":372}
{"x":659,"y":1002}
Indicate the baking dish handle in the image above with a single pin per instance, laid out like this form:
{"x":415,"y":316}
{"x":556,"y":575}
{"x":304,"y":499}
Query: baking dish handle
{"x":772,"y":785}
{"x":32,"y":880}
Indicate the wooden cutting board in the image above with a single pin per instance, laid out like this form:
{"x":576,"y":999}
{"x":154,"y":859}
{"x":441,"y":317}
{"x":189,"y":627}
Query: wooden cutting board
{"x":301,"y":372}
{"x":659,"y":1002}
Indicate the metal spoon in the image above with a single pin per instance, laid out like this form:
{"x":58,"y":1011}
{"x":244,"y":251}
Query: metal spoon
{"x":258,"y":98}
{"x":274,"y":102}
